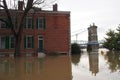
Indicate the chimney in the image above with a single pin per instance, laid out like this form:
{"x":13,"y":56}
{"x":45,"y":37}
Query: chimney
{"x":20,"y":5}
{"x":55,"y":7}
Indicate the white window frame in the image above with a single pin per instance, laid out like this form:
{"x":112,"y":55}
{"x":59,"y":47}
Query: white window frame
{"x":41,"y":25}
{"x":10,"y":41}
{"x":41,"y":37}
{"x":2,"y":47}
{"x":27,"y":41}
{"x":29,"y":27}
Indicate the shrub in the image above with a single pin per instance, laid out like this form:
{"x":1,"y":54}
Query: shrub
{"x":75,"y":48}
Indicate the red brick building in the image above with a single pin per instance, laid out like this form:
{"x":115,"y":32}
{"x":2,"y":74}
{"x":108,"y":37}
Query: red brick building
{"x":44,"y":31}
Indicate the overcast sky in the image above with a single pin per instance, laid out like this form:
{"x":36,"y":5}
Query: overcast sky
{"x":104,"y":13}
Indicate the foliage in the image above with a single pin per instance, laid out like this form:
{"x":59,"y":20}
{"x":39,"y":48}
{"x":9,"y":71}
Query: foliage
{"x":75,"y":48}
{"x":112,"y":42}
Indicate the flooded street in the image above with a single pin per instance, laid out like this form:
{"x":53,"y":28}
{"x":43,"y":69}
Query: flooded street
{"x":99,"y":65}
{"x":47,"y":68}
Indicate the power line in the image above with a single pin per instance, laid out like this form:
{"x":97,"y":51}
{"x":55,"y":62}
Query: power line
{"x":79,"y":33}
{"x":78,"y":30}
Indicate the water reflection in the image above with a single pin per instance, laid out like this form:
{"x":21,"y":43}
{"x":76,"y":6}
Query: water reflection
{"x":30,"y":68}
{"x":93,"y":62}
{"x":96,"y":65}
{"x":113,"y":59}
{"x":75,"y":59}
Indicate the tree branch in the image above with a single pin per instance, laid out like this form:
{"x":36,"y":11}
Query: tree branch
{"x":2,"y":6}
{"x":28,"y":7}
{"x":3,"y":20}
{"x":38,"y":2}
{"x":9,"y":17}
{"x":47,"y":4}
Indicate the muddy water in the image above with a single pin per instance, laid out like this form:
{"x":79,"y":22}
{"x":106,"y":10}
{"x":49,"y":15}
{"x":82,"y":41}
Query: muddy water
{"x":30,"y":68}
{"x":99,"y":65}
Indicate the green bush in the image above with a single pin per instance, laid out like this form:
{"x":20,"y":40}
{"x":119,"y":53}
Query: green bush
{"x":112,"y":41}
{"x":75,"y":48}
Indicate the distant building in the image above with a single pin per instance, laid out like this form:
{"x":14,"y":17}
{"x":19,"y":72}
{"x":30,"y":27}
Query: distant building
{"x":44,"y":31}
{"x":92,"y":38}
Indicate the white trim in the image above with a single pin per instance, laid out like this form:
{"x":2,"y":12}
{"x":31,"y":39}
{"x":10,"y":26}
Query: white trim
{"x":30,"y":27}
{"x":42,"y":38}
{"x":27,"y":42}
{"x":52,"y":12}
{"x":42,"y":27}
{"x":1,"y":42}
{"x":43,"y":11}
{"x":10,"y":41}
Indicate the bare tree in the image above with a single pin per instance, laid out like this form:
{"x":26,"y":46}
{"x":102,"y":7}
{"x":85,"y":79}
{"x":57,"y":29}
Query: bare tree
{"x":28,"y":5}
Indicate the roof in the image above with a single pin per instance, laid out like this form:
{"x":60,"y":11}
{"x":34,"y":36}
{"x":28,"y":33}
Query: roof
{"x":41,"y":11}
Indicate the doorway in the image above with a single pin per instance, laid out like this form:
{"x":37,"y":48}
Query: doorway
{"x":40,"y":44}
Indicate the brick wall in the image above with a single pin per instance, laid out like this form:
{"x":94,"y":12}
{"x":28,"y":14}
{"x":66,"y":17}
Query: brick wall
{"x":56,"y":35}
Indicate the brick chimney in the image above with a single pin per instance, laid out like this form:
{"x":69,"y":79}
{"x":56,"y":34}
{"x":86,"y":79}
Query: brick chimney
{"x":55,"y":7}
{"x":20,"y":5}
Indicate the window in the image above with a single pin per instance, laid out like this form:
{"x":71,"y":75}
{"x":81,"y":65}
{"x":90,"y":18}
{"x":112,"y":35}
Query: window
{"x":41,"y":23}
{"x":14,"y":21}
{"x":2,"y":24}
{"x":2,"y":42}
{"x":12,"y":42}
{"x":29,"y":23}
{"x":40,"y":44}
{"x":28,"y":42}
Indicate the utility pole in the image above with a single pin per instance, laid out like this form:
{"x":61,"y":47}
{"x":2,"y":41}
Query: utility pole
{"x":76,"y":37}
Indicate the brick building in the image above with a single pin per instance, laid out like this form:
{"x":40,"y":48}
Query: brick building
{"x":44,"y":31}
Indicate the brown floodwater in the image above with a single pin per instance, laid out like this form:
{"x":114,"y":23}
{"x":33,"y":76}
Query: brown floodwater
{"x":101,"y":65}
{"x":30,"y":68}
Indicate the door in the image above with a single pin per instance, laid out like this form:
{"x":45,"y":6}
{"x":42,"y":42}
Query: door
{"x":40,"y":44}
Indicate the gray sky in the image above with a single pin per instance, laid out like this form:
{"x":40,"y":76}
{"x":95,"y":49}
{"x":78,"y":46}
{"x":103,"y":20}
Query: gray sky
{"x":104,"y":13}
